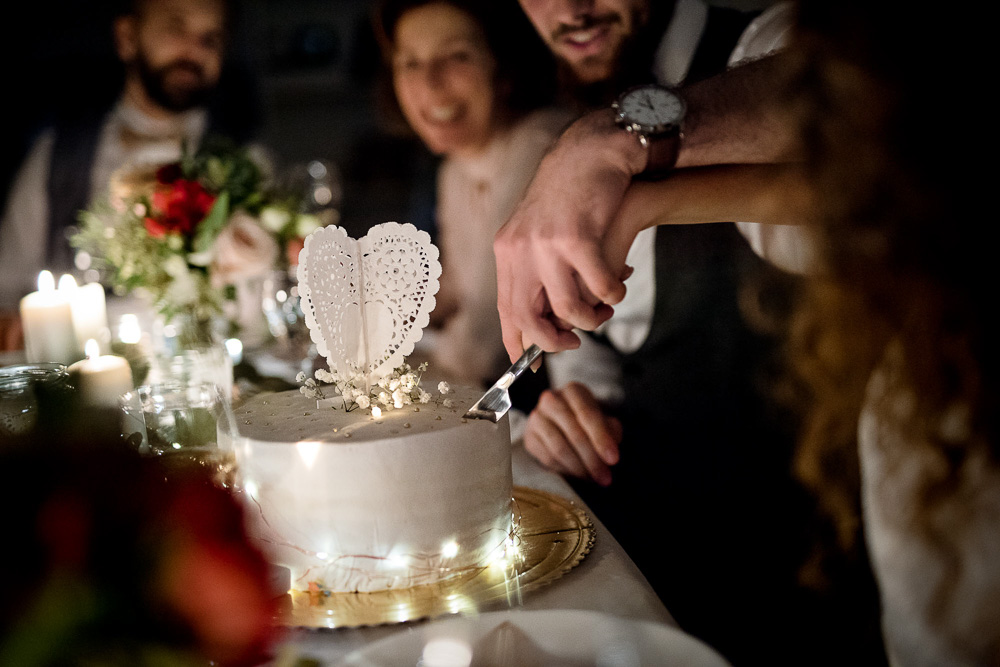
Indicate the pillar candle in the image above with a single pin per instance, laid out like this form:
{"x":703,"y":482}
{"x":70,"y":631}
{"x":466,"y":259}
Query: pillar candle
{"x":101,"y":379}
{"x":47,"y":320}
{"x":90,"y":311}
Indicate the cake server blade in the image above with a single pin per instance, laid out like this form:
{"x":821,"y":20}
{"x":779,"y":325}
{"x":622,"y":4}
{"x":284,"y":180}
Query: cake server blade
{"x":496,"y":401}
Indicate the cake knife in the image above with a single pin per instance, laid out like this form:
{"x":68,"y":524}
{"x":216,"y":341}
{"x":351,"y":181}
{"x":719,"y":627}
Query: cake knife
{"x":496,"y":402}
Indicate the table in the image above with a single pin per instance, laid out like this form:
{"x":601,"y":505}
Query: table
{"x":605,"y":581}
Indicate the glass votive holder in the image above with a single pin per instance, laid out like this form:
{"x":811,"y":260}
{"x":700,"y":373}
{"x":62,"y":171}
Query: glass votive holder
{"x":24,"y":389}
{"x":193,"y":367}
{"x":185,"y":424}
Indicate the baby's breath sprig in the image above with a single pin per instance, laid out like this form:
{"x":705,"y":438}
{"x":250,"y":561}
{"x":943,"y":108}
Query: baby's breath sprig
{"x":395,"y":391}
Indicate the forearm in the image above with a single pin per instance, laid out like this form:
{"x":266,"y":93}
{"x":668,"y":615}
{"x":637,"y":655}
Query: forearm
{"x":765,"y":193}
{"x":737,"y":117}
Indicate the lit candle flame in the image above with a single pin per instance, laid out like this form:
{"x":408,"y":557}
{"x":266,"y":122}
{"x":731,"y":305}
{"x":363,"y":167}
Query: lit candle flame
{"x":376,"y":411}
{"x":46,"y":282}
{"x":92,"y":349}
{"x":128,"y":330}
{"x":67,"y":283}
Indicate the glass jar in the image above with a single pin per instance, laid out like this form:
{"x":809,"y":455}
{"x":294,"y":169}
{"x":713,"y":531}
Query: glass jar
{"x":190,"y":350}
{"x":24,"y":390}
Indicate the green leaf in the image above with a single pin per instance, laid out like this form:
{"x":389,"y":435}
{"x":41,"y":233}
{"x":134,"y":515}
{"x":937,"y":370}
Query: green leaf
{"x":213,"y":223}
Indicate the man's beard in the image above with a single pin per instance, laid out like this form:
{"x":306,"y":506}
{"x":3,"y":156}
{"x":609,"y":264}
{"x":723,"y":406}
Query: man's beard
{"x":173,"y":98}
{"x":595,"y":68}
{"x":627,"y":65}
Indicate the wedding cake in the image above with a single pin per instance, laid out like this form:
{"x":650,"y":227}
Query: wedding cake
{"x":351,"y":502}
{"x":363,"y":480}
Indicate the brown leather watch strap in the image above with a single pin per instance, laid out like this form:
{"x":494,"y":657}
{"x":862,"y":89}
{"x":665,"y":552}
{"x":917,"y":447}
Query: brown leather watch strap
{"x":661,"y":155}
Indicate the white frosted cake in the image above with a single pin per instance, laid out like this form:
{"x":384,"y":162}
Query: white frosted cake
{"x":350,"y":502}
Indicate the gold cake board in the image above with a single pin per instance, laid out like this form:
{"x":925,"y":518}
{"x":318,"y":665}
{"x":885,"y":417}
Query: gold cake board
{"x":552,"y":535}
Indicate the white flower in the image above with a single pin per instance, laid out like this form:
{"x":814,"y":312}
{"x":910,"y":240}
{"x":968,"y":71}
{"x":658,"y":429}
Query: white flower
{"x":183,"y":289}
{"x":274,"y":219}
{"x":400,"y":398}
{"x":384,"y":398}
{"x":201,"y":258}
{"x":363,"y":402}
{"x":301,"y":377}
{"x":175,"y":266}
{"x":443,"y":387}
{"x":393,"y":384}
{"x":424,"y":397}
{"x":447,"y":403}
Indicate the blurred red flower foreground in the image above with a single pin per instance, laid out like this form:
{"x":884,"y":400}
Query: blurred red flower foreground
{"x":114,"y":559}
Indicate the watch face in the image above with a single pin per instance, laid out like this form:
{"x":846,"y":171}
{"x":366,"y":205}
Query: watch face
{"x":651,"y":108}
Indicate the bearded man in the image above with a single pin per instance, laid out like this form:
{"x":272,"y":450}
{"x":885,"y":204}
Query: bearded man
{"x":171,"y":97}
{"x":605,"y":46}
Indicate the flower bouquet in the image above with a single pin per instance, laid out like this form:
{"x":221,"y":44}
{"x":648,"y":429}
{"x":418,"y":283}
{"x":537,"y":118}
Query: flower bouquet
{"x":188,"y":234}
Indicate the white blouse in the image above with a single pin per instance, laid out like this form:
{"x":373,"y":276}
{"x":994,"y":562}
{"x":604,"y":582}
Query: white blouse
{"x":475,"y":198}
{"x":909,"y":570}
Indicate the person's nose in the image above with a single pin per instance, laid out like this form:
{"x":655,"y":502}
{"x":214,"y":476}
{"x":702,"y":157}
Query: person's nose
{"x":576,"y":9}
{"x":434,"y":74}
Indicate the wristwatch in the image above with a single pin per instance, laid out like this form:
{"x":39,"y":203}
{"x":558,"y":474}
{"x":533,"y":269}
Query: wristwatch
{"x":655,"y":114}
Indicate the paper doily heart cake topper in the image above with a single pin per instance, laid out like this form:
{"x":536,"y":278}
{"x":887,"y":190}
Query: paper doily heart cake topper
{"x":367,"y":301}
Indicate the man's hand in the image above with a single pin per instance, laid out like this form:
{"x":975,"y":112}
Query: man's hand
{"x":553,"y":273}
{"x":568,"y":432}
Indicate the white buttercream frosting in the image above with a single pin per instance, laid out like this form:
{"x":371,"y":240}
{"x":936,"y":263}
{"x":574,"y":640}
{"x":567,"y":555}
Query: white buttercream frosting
{"x":355,"y":503}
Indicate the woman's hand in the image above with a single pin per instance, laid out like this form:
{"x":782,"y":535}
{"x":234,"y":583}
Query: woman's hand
{"x":569,"y":433}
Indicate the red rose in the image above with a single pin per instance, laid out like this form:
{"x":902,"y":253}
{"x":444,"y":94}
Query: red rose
{"x":169,"y":173}
{"x":154,"y":228}
{"x":179,"y":207}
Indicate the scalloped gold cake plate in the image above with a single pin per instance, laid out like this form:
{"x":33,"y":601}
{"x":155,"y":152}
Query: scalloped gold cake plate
{"x":551,"y":537}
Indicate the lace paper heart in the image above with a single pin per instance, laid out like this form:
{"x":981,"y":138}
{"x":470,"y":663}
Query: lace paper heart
{"x":367,"y":301}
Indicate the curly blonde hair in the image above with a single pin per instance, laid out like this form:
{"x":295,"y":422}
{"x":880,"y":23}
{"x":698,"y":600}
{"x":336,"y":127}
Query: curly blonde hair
{"x":905,"y":257}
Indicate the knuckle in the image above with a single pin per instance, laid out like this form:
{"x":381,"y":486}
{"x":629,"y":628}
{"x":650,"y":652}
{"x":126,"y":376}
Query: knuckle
{"x":548,"y":400}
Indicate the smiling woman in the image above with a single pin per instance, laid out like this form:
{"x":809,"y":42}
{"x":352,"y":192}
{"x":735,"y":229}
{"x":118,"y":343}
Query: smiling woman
{"x":443,"y":76}
{"x":474,"y":82}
